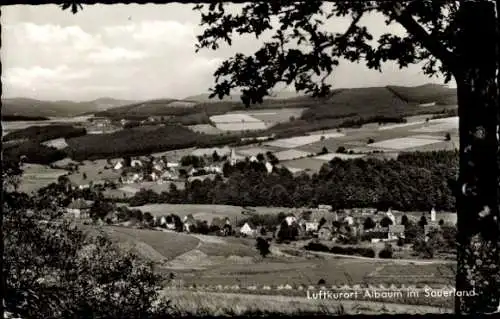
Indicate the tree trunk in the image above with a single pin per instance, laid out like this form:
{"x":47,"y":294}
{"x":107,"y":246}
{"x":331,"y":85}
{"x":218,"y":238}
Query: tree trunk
{"x":478,"y":185}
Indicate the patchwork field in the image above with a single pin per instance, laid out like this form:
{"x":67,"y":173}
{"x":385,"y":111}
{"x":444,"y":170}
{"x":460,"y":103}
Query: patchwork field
{"x":404,"y":143}
{"x":328,"y":157}
{"x":38,"y":176}
{"x":439,"y":125}
{"x":237,"y":122}
{"x":302,"y":140}
{"x":253,"y":151}
{"x":290,"y":155}
{"x":274,"y":116}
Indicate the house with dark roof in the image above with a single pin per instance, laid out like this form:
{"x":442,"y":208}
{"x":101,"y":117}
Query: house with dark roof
{"x":188,"y":223}
{"x":79,"y":208}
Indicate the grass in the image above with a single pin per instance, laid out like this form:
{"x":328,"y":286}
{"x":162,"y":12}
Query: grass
{"x":166,"y":244}
{"x":216,"y":303}
{"x":38,"y":176}
{"x":206,"y":212}
{"x":205,"y":128}
{"x":426,"y":94}
{"x":94,"y":171}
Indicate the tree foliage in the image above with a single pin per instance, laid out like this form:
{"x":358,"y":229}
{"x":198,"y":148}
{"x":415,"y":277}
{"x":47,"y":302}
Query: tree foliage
{"x":300,"y":51}
{"x":55,"y":270}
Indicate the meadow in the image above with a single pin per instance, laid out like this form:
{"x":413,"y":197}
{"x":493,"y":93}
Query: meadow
{"x":37,"y":176}
{"x":227,"y":304}
{"x":207,"y":212}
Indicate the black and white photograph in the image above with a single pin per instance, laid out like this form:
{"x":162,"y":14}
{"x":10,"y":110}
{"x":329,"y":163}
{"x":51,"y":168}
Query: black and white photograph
{"x":195,"y":159}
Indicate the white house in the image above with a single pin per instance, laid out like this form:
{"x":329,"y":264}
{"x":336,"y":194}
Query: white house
{"x":290,"y":219}
{"x":248,"y":229}
{"x":136,"y":163}
{"x":213,"y":169}
{"x":131,"y":178}
{"x":433,"y":215}
{"x":118,"y":165}
{"x":269,"y":167}
{"x":253,"y":159}
{"x":325,"y":207}
{"x":173,"y":165}
{"x":163,"y":221}
{"x":312,"y":226}
{"x":154,"y":176}
{"x":158,"y":166}
{"x":349,"y":220}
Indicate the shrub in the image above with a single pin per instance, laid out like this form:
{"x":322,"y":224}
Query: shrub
{"x":313,"y":246}
{"x":262,"y":246}
{"x":387,"y":252}
{"x":401,"y":242}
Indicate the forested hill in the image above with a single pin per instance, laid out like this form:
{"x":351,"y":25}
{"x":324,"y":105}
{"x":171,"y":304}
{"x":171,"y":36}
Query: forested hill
{"x":413,"y":182}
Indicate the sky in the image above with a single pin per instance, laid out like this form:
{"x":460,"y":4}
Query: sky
{"x":139,"y":52}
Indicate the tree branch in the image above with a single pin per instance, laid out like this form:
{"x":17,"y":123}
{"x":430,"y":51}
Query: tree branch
{"x":404,"y":17}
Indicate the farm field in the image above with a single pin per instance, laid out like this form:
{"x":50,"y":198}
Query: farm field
{"x":129,"y":190}
{"x":174,"y":155}
{"x":216,"y":261}
{"x":221,"y":304}
{"x":59,"y":143}
{"x":221,"y":151}
{"x":205,"y":128}
{"x":439,"y":125}
{"x":291,"y":154}
{"x":333,"y":270}
{"x":404,"y":143}
{"x":155,"y":245}
{"x":237,"y":122}
{"x":273,"y":116}
{"x":254,"y":151}
{"x":94,"y":171}
{"x":328,"y":157}
{"x":38,"y":176}
{"x":206,"y":212}
{"x":302,"y":140}
{"x":306,"y":164}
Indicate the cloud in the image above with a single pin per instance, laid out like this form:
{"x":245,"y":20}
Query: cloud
{"x":51,"y":34}
{"x":115,"y":55}
{"x":156,"y":32}
{"x":39,"y":76}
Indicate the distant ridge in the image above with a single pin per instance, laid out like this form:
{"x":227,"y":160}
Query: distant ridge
{"x":384,"y":95}
{"x":34,"y":107}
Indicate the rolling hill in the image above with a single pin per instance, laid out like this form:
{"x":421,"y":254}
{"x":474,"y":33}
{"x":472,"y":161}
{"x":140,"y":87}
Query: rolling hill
{"x":204,"y":97}
{"x":427,"y":93}
{"x":33,"y":107}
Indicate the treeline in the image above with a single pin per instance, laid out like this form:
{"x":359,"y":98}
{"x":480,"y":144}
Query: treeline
{"x":33,"y":152}
{"x":137,"y":141}
{"x":414,"y":181}
{"x":45,"y":133}
{"x":12,"y":118}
